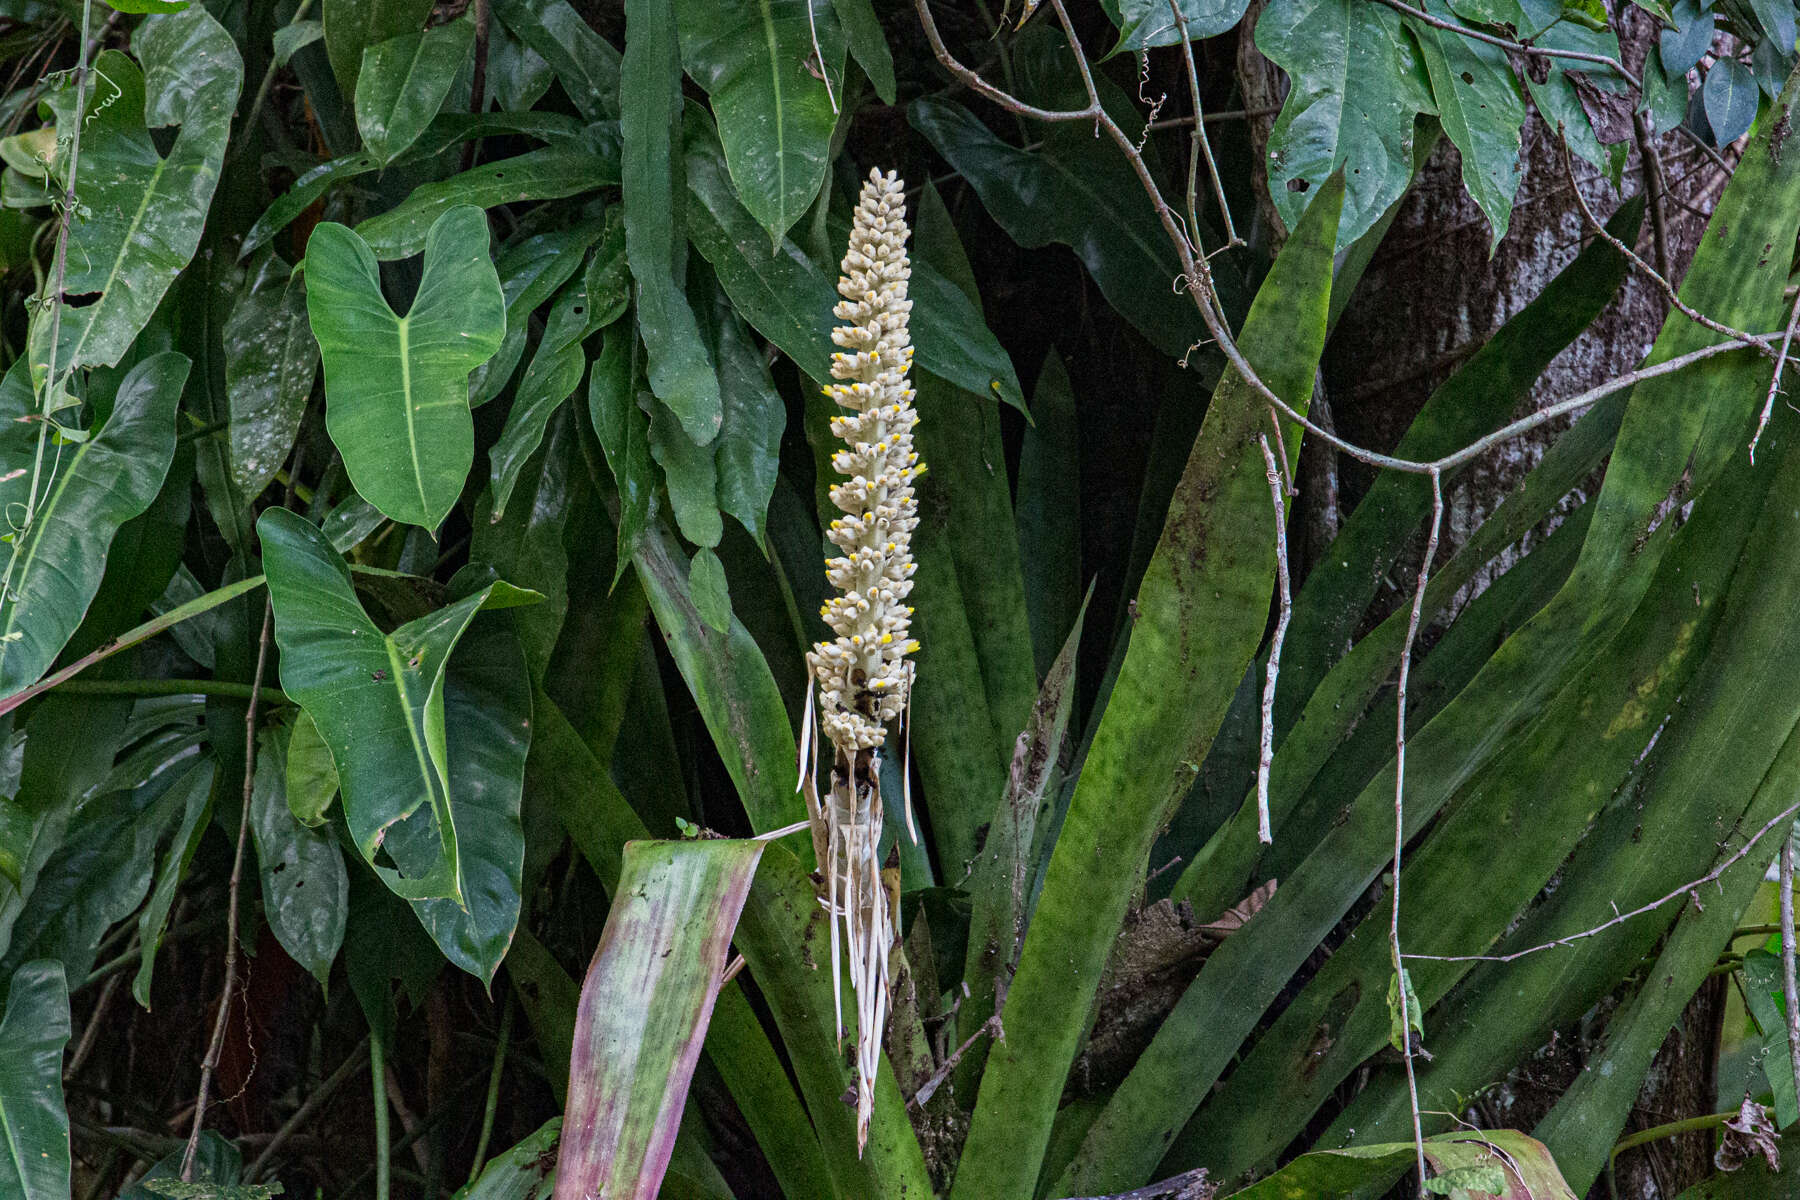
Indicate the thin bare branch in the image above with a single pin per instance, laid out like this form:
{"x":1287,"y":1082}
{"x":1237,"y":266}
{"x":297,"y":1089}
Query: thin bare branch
{"x":1686,"y":890}
{"x":210,"y":1064}
{"x":1789,"y":991}
{"x":1198,"y":146}
{"x":1781,"y":358}
{"x":1266,"y":758}
{"x":1406,"y":653}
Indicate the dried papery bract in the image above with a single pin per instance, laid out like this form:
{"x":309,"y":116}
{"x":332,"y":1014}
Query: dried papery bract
{"x":863,"y":676}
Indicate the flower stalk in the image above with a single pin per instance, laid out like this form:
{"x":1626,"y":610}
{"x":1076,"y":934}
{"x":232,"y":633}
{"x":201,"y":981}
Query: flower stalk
{"x":863,"y":676}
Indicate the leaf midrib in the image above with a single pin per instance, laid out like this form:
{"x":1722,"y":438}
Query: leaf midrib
{"x":403,"y":326}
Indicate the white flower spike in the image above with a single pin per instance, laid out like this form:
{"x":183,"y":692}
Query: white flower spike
{"x":863,"y":676}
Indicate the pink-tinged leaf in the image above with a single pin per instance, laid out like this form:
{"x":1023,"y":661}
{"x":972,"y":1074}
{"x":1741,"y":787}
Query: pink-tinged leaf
{"x":644,"y":1009}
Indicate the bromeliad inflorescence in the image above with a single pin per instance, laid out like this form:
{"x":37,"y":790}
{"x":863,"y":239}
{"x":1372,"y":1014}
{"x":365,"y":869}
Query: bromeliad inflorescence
{"x":863,"y":675}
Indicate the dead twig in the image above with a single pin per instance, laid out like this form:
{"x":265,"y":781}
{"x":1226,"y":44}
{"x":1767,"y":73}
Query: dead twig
{"x":929,"y":1088}
{"x":1266,"y":758}
{"x":1781,"y":358}
{"x":1406,"y":651}
{"x":210,"y":1064}
{"x":1789,"y":991}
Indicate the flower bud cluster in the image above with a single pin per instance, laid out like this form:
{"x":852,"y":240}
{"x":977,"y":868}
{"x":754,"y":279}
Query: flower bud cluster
{"x":862,"y":674}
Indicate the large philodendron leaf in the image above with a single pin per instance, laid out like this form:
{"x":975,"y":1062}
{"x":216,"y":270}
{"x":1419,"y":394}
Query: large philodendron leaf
{"x":34,"y":1125}
{"x":140,"y":211}
{"x":1357,"y":84}
{"x":84,"y":492}
{"x":644,"y":1009}
{"x":397,"y":388}
{"x":388,"y":707}
{"x":759,"y":61}
{"x":404,"y":82}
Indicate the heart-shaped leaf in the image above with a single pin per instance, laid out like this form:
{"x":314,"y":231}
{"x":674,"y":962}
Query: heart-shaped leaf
{"x":397,"y":388}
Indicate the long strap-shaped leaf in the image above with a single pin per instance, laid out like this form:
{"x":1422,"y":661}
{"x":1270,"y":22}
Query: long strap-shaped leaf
{"x":34,"y":1126}
{"x":644,"y":1010}
{"x":1201,"y":612}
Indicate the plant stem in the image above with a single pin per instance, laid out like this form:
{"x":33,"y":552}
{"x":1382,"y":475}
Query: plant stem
{"x":493,"y":1091}
{"x":1657,"y":1133}
{"x":378,"y":1077}
{"x":173,"y":687}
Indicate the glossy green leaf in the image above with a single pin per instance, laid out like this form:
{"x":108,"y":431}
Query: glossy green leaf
{"x":84,"y":494}
{"x":1688,"y":37}
{"x":305,"y":191}
{"x":1778,"y":22}
{"x":731,"y":683}
{"x":624,"y":433}
{"x":678,"y":366}
{"x":311,"y":782}
{"x":547,"y":174}
{"x":867,"y":43}
{"x":1148,"y":23}
{"x":747,"y":452}
{"x":552,"y":376}
{"x":305,"y":886}
{"x":706,"y":584}
{"x":379,"y":701}
{"x":144,"y":209}
{"x":270,"y":361}
{"x":1481,"y":395}
{"x":788,"y":298}
{"x":1763,"y":996}
{"x":1357,"y":84}
{"x":1199,"y":620}
{"x":403,"y":83}
{"x":1081,"y":194}
{"x":1482,"y":111}
{"x":531,"y":271}
{"x":692,"y":477}
{"x":586,"y":63}
{"x":295,"y":36}
{"x":33,"y":1120}
{"x":195,"y":790}
{"x":102,"y":870}
{"x":645,"y":1005}
{"x":523,"y":1172}
{"x":396,"y":391}
{"x":352,"y":26}
{"x":772,"y":69}
{"x":527,"y":543}
{"x":1730,"y":97}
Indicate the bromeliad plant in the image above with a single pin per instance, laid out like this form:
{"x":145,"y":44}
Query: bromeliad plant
{"x":470,"y":665}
